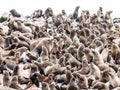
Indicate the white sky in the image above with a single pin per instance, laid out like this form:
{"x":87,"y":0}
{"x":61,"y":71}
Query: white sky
{"x":26,"y":7}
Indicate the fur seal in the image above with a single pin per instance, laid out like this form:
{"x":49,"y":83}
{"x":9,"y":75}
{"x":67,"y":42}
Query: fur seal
{"x":95,"y":71}
{"x":105,"y":76}
{"x":37,"y":13}
{"x":82,"y":81}
{"x":52,"y":86}
{"x":14,"y":83}
{"x":100,"y":85}
{"x":48,"y":12}
{"x":98,"y":60}
{"x":3,"y":66}
{"x":80,"y":52}
{"x":73,"y":84}
{"x":88,"y":55}
{"x":72,"y":60}
{"x":16,"y":70}
{"x":114,"y":80}
{"x":15,"y":13}
{"x":45,"y":86}
{"x":85,"y":69}
{"x":75,"y":13}
{"x":115,"y":52}
{"x":6,"y":78}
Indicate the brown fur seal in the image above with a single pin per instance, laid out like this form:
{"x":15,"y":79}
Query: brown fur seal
{"x":115,"y":51}
{"x":98,"y":60}
{"x":14,"y":83}
{"x":108,"y":15}
{"x":75,"y":13}
{"x":49,"y":12}
{"x":95,"y":71}
{"x":6,"y":78}
{"x":16,"y":70}
{"x":71,"y":60}
{"x":82,"y":81}
{"x":45,"y":86}
{"x":3,"y":66}
{"x":37,"y":13}
{"x":85,"y":69}
{"x":105,"y":76}
{"x":33,"y":68}
{"x":88,"y":55}
{"x":73,"y":84}
{"x":100,"y":85}
{"x":114,"y":80}
{"x":52,"y":86}
{"x":15,"y":13}
{"x":80,"y":52}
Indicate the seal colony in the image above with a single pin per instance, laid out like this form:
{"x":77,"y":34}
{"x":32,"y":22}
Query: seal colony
{"x":45,"y":51}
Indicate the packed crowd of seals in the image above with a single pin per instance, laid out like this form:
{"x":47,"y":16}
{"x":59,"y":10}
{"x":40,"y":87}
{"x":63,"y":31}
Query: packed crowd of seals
{"x":45,"y":51}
